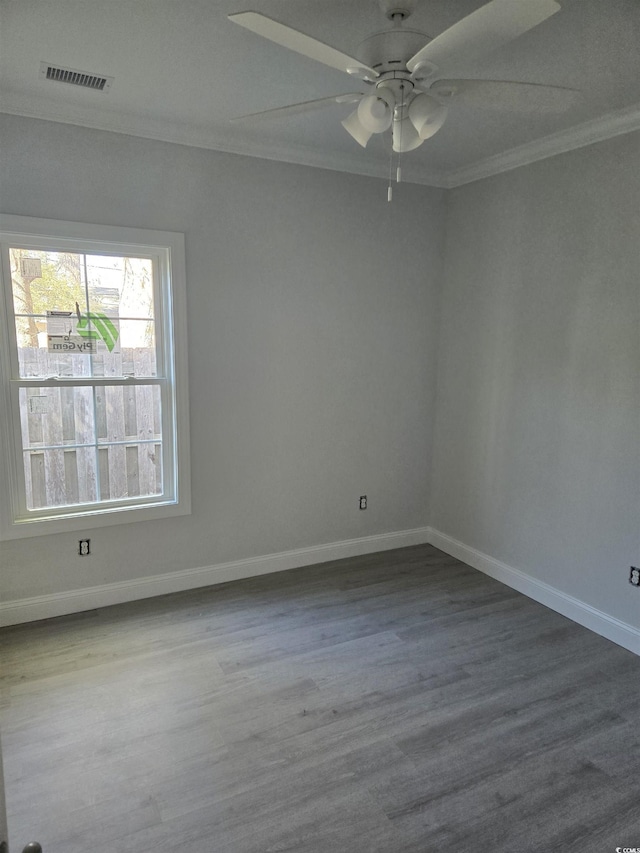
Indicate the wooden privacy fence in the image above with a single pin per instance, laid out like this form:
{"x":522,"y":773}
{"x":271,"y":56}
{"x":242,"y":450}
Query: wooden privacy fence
{"x":95,"y":443}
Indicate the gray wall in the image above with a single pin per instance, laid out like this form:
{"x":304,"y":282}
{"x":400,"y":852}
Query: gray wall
{"x":313,"y":336}
{"x":537,"y":443}
{"x":311,"y":346}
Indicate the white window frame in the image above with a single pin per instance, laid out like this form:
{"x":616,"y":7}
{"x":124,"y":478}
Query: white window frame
{"x":167,"y":251}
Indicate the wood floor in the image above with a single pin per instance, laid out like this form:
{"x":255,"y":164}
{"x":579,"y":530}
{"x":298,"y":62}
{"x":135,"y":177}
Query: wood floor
{"x":394,"y":703}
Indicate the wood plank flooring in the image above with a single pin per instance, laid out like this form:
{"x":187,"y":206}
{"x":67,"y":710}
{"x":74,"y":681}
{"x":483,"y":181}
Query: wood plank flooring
{"x":395,"y":703}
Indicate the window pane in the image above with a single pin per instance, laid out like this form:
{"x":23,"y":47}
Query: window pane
{"x":120,"y":285}
{"x":60,"y":477}
{"x":127,"y":428}
{"x":130,"y":414}
{"x":130,"y":470}
{"x":56,"y":416}
{"x":46,"y":281}
{"x":138,"y":348}
{"x":34,"y":358}
{"x":109,"y":319}
{"x":137,"y":334}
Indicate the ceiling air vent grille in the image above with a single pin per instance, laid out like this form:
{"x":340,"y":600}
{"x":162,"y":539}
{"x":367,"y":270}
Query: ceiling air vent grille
{"x":84,"y":79}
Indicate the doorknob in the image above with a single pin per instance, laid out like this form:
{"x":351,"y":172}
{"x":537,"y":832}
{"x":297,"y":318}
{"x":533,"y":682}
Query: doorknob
{"x":33,"y":847}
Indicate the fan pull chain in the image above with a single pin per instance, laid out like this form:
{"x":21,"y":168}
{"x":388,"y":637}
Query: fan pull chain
{"x":390,"y":188}
{"x":397,"y":118}
{"x":399,"y":169}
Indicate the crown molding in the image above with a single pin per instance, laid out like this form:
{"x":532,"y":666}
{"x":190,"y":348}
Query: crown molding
{"x":214,"y":139}
{"x":598,"y":130}
{"x":606,"y":127}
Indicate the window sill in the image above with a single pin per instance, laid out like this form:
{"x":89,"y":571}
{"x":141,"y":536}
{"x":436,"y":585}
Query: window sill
{"x":92,"y":519}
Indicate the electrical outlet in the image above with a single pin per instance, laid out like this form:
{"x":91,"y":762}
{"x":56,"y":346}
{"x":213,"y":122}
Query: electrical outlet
{"x":634,"y":576}
{"x":84,"y":547}
{"x":363,"y":501}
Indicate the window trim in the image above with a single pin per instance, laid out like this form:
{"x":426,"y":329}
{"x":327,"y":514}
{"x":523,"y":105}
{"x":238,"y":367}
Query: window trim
{"x":172,"y":353}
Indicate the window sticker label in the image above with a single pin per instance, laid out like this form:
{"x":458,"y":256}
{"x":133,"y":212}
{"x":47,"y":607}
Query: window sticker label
{"x":39,"y":405}
{"x":82,"y":334}
{"x":31,"y":267}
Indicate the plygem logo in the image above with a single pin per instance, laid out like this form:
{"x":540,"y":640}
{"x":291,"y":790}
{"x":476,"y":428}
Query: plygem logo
{"x":103,"y":328}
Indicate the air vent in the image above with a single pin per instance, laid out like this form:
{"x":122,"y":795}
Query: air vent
{"x":84,"y":79}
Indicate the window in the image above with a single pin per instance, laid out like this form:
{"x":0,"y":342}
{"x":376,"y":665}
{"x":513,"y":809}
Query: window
{"x":95,"y":414}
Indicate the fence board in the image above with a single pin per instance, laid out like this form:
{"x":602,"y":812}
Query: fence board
{"x":117,"y":462}
{"x":34,"y":462}
{"x":103,"y":463}
{"x":130,"y":412}
{"x":72,"y":494}
{"x":68,"y":404}
{"x":144,"y":411}
{"x":84,"y":425}
{"x":114,"y":409}
{"x":101,"y":414}
{"x":159,"y":469}
{"x":133,"y":483}
{"x":54,"y":470}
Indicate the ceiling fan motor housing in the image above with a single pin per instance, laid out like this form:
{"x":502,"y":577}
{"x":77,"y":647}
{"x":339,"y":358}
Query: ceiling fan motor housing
{"x":390,"y":50}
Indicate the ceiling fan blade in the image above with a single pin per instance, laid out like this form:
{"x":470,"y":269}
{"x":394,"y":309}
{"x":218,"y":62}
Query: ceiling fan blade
{"x":506,"y":95}
{"x":301,"y":43}
{"x":485,"y":30}
{"x":302,"y":107}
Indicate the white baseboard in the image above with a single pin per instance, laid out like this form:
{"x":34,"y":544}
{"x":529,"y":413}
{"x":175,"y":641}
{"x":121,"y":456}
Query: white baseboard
{"x":596,"y":620}
{"x":89,"y":598}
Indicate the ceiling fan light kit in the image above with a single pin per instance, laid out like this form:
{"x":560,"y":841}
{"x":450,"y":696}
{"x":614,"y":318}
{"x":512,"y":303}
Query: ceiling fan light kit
{"x":427,"y":115}
{"x":354,"y":126}
{"x":411,"y":97}
{"x":376,"y":111}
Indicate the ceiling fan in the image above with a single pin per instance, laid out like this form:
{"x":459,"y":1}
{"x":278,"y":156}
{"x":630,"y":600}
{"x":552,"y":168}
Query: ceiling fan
{"x":403,"y":70}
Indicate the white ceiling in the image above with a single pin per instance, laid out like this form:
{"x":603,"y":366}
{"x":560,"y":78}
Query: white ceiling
{"x":182,"y":71}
